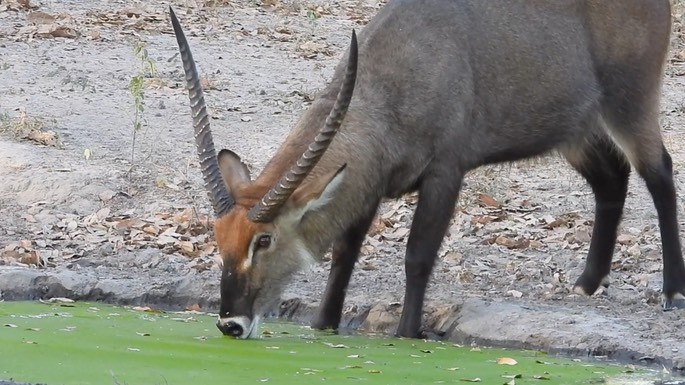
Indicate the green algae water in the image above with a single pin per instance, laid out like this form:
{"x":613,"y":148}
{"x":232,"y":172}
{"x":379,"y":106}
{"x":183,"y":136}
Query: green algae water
{"x":93,"y":343}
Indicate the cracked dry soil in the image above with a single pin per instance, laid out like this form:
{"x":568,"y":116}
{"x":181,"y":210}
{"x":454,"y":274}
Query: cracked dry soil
{"x":111,"y":229}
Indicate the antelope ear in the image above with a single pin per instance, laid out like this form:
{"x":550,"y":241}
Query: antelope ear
{"x":233,"y":170}
{"x":315,"y":194}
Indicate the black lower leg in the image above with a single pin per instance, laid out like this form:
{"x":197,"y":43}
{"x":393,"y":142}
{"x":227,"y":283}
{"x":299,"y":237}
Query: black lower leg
{"x":431,"y":219}
{"x":345,"y":254}
{"x":607,"y":173}
{"x":659,"y":180}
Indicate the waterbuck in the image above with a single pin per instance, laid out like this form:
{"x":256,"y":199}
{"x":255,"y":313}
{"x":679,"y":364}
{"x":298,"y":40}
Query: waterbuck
{"x":442,"y":87}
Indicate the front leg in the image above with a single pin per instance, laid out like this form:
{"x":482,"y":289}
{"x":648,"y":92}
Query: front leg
{"x":345,"y":254}
{"x":437,"y":197}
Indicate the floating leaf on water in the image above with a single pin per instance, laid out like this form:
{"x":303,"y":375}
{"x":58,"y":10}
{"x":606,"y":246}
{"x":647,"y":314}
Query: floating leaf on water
{"x":59,"y":300}
{"x":145,"y":309}
{"x":310,"y":370}
{"x":336,"y":346}
{"x":506,"y":361}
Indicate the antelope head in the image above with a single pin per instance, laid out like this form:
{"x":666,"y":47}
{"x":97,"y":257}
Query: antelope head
{"x":257,"y":222}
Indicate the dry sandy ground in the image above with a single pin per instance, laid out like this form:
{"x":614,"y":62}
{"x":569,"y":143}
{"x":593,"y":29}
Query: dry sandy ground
{"x":102,"y":227}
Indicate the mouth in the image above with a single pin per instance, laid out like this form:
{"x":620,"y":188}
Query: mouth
{"x":238,"y":327}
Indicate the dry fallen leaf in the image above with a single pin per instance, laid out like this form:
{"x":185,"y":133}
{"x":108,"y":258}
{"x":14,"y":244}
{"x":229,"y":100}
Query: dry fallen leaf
{"x":311,"y":49}
{"x":16,"y":5}
{"x":511,"y":243}
{"x":66,"y":32}
{"x":487,"y":200}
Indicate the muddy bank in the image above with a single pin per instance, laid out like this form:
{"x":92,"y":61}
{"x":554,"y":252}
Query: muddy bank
{"x":591,"y":331}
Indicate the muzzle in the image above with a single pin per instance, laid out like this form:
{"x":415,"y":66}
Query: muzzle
{"x":238,"y":327}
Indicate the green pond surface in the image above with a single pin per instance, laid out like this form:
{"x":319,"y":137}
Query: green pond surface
{"x":94,"y":343}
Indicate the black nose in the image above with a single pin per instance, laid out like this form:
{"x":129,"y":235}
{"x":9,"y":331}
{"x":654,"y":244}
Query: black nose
{"x":230,"y":328}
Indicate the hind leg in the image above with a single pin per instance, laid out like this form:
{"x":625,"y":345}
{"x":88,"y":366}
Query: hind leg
{"x":640,"y":139}
{"x":630,"y":108}
{"x":658,"y":175}
{"x":607,"y":171}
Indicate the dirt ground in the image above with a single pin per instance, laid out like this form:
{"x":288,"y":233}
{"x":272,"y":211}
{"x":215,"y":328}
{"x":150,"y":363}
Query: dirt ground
{"x":80,"y":218}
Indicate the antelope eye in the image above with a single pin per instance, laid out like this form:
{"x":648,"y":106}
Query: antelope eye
{"x":264,"y":241}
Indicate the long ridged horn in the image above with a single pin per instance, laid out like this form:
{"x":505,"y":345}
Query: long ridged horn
{"x":267,"y":209}
{"x":214,"y":183}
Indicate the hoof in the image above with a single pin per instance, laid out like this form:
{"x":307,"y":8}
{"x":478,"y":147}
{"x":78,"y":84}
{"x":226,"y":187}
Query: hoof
{"x":580,"y":291}
{"x":324,"y":326}
{"x":675,"y":302}
{"x":588,"y":287}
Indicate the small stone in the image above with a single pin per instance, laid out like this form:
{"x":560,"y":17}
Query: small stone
{"x":625,"y":239}
{"x":106,"y":195}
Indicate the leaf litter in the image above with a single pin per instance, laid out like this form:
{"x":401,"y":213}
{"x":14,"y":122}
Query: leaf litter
{"x":70,"y":237}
